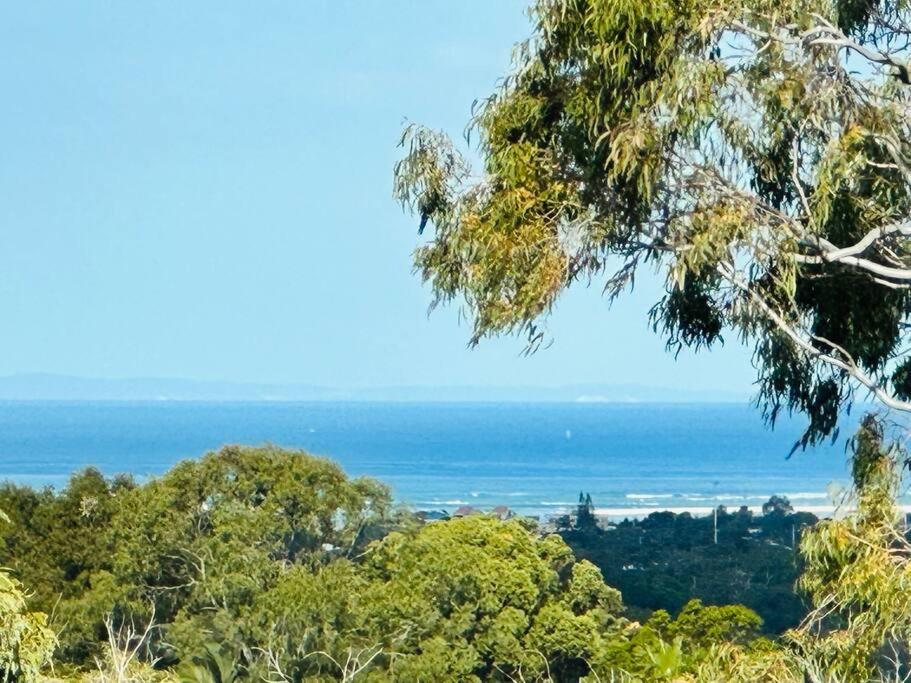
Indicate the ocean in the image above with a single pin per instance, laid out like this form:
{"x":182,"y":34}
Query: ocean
{"x":535,"y":458}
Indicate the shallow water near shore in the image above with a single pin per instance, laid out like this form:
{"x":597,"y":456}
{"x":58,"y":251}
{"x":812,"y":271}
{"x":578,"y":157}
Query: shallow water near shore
{"x":534,"y":457}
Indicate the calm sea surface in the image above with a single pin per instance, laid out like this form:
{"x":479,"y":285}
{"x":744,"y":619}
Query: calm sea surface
{"x":535,"y":458}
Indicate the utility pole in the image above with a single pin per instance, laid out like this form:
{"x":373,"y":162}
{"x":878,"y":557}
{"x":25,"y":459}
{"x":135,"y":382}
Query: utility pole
{"x":715,"y":513}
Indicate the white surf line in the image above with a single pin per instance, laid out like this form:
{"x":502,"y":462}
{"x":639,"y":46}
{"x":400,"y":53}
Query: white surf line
{"x":638,"y":512}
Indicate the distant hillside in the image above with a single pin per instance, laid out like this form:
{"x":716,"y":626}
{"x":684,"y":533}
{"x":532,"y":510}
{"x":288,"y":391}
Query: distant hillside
{"x":49,"y":387}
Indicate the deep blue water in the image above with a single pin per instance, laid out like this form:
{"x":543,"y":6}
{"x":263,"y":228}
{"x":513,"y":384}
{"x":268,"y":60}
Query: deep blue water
{"x":532,"y":457}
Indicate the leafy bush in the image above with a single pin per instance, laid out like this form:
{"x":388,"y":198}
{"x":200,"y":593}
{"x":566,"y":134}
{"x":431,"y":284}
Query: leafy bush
{"x":26,"y":643}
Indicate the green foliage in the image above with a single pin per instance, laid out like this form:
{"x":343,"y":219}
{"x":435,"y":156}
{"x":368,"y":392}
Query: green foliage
{"x":473,"y":598}
{"x":668,"y":649}
{"x":311,"y":618}
{"x":212,"y":666}
{"x":212,"y":532}
{"x":496,"y":590}
{"x":756,"y":152}
{"x":859,"y":570}
{"x":26,"y":643}
{"x":263,"y":564}
{"x":55,"y":542}
{"x":666,"y":659}
{"x":468,"y":599}
{"x":191,"y":549}
{"x":700,"y":624}
{"x":665,"y":560}
{"x":59,"y":545}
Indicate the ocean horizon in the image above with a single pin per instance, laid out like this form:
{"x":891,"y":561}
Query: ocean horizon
{"x":535,"y":458}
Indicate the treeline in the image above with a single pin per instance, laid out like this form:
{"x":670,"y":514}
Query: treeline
{"x":261,"y":563}
{"x":272,"y":565}
{"x":667,"y":559}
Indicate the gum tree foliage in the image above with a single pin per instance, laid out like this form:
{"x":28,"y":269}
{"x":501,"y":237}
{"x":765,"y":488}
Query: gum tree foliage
{"x":858,"y":573}
{"x":209,"y":527}
{"x":189,"y":550}
{"x":26,"y":643}
{"x":55,"y":541}
{"x":469,"y":599}
{"x":198,"y":544}
{"x":757,"y":153}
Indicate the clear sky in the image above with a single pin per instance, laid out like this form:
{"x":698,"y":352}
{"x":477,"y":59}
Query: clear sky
{"x":203,"y":190}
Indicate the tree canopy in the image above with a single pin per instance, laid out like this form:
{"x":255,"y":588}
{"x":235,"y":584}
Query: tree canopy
{"x":757,"y":153}
{"x":268,"y":564}
{"x":190,"y":549}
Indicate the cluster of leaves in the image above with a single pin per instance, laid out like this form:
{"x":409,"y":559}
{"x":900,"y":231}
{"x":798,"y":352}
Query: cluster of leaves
{"x":26,"y":642}
{"x":752,"y":150}
{"x":858,"y":573}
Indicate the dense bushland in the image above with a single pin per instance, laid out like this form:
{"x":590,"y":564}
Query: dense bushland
{"x":667,"y":559}
{"x":266,"y":564}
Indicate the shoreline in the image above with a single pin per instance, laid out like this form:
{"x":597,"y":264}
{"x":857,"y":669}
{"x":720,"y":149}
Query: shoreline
{"x":821,"y":511}
{"x":619,"y":513}
{"x":640,"y":512}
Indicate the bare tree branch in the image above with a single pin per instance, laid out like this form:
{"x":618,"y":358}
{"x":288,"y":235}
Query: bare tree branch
{"x":846,"y":364}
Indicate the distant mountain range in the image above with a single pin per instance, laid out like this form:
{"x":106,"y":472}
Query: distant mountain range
{"x":50,"y":387}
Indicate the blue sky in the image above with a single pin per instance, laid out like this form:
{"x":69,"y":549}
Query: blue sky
{"x":203,"y":190}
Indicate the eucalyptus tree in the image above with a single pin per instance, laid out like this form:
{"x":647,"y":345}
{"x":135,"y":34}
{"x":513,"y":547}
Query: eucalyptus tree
{"x":857,"y":573}
{"x":756,"y":153}
{"x":469,"y":599}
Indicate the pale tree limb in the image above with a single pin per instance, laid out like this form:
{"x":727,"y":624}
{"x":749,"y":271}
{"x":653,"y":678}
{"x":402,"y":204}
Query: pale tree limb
{"x":826,"y":34}
{"x":867,"y":241}
{"x":846,"y":364}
